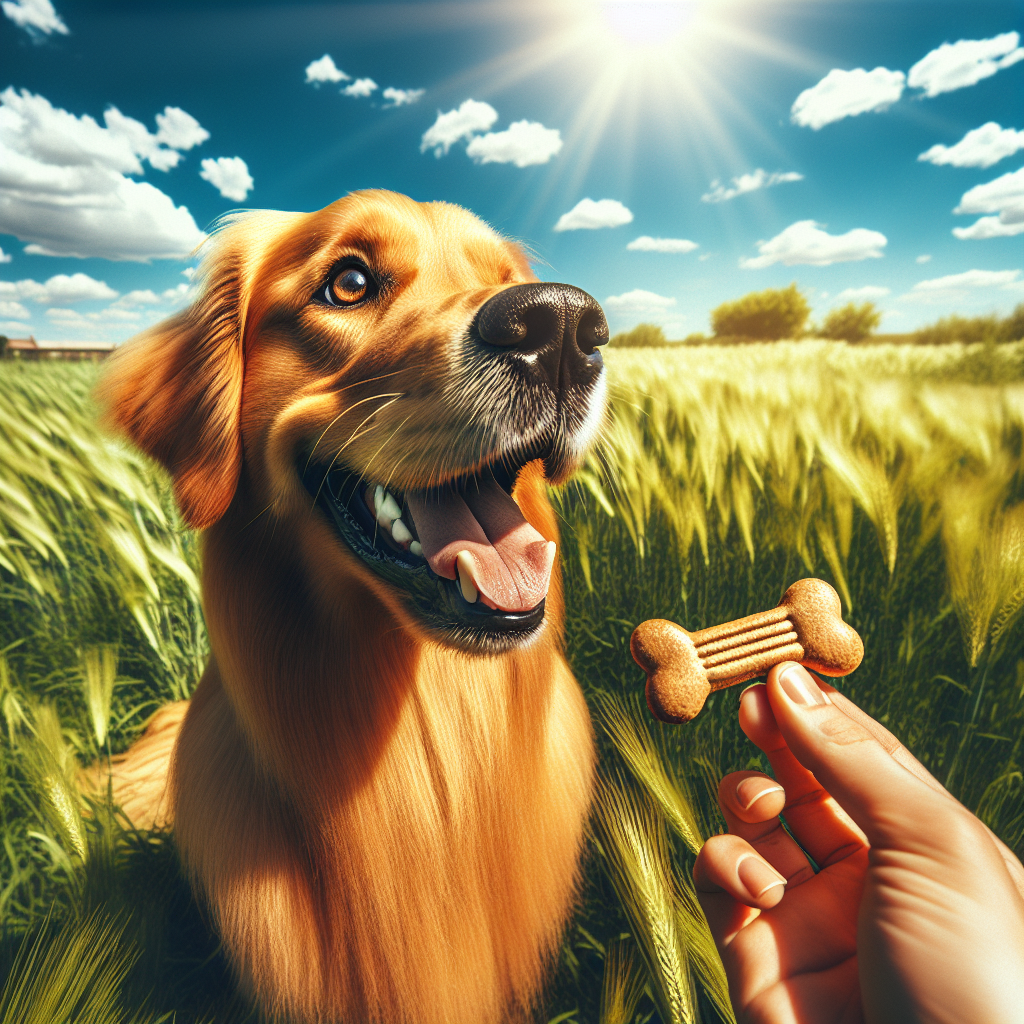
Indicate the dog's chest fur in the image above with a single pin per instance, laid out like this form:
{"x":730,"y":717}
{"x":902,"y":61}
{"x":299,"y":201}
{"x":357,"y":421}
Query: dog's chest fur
{"x":405,"y":848}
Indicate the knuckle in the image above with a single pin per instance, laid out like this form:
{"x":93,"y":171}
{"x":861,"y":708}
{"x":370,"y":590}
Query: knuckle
{"x":842,"y":731}
{"x":964,"y":834}
{"x":810,"y":797}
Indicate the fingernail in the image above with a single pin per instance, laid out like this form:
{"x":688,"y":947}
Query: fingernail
{"x":799,"y":687}
{"x":752,"y":788}
{"x":757,"y":877}
{"x":750,"y":687}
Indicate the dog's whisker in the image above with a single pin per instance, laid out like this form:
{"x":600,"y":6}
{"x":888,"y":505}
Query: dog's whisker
{"x":407,"y":368}
{"x":401,"y":459}
{"x":263,"y":511}
{"x":345,"y":412}
{"x":362,"y":475}
{"x":384,"y":443}
{"x":371,"y":380}
{"x":354,"y":436}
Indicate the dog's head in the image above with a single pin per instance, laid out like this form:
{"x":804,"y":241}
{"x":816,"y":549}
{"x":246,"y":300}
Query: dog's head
{"x":389,"y":373}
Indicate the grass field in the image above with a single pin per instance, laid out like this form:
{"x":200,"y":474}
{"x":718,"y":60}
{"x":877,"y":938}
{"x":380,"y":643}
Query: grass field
{"x":893,"y":472}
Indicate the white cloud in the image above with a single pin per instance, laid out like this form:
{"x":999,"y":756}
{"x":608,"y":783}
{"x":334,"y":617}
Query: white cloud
{"x":968,"y":279}
{"x":981,"y":147}
{"x":10,"y":327}
{"x":66,"y":316}
{"x":21,"y":289}
{"x":176,"y":130}
{"x":994,"y":196}
{"x":229,"y":175}
{"x":177,"y":295}
{"x":989,"y":227}
{"x":142,"y":297}
{"x":13,"y":309}
{"x":468,"y":119}
{"x":66,"y":288}
{"x":639,"y":301}
{"x":179,"y":130}
{"x":360,"y":87}
{"x":324,"y":70}
{"x":805,"y":242}
{"x":76,"y":288}
{"x":587,"y":214}
{"x":845,"y":94}
{"x":64,"y":188}
{"x":140,"y":141}
{"x":869,"y":291}
{"x":748,"y":183}
{"x":138,"y":297}
{"x":1003,"y":196}
{"x":966,"y":62}
{"x":5,"y":257}
{"x":112,"y":315}
{"x":401,"y":97}
{"x":34,"y":16}
{"x":647,"y":244}
{"x":925,"y":258}
{"x":523,"y":143}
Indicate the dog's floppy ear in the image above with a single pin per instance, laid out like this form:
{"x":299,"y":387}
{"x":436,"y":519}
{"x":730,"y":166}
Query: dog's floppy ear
{"x":176,"y":389}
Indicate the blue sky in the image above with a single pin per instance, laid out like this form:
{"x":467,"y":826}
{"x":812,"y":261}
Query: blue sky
{"x":750,"y":143}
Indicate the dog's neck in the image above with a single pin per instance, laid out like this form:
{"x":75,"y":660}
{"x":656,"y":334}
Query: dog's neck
{"x":319,"y":668}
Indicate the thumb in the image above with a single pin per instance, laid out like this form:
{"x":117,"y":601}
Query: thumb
{"x":883,"y":798}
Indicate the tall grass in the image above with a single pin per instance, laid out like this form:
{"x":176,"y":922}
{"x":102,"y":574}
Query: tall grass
{"x":726,"y":474}
{"x":893,"y":472}
{"x":90,"y":545}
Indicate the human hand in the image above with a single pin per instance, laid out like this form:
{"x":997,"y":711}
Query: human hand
{"x":917,"y":912}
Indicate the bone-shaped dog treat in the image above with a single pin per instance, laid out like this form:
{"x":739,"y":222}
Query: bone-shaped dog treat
{"x":683,"y":668}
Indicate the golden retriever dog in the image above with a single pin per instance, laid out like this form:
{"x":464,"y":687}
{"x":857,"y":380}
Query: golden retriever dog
{"x":380,"y":786}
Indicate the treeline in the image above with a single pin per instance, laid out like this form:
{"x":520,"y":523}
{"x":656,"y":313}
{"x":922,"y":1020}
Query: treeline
{"x":778,"y":313}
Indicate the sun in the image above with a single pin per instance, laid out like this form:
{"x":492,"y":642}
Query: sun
{"x":640,"y":68}
{"x":648,"y":24}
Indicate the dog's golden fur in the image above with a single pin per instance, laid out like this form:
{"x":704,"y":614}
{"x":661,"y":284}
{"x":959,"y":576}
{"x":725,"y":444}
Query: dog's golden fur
{"x":385,"y":829}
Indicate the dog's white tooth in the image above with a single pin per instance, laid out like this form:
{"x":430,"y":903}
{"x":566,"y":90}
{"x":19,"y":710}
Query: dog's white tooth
{"x":378,"y":499}
{"x":400,"y":532}
{"x":389,"y":507}
{"x":464,"y":570}
{"x":416,"y":548}
{"x":552,"y":549}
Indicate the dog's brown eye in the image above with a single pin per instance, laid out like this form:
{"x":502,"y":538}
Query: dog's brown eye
{"x":348,"y":287}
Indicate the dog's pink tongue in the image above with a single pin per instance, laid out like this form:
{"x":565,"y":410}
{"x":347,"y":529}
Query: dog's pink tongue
{"x":512,"y":561}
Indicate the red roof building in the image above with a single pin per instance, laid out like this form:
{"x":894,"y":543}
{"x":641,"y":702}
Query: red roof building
{"x":29,"y":348}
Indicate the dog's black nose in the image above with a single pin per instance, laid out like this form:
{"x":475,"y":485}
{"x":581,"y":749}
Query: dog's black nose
{"x":555,"y":328}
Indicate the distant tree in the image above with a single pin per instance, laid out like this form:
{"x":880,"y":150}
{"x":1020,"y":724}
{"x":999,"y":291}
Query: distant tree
{"x":764,"y":316}
{"x":851,"y":322}
{"x":969,"y":330}
{"x":3,"y":346}
{"x":642,"y":336}
{"x":695,"y":339}
{"x":1013,"y":325}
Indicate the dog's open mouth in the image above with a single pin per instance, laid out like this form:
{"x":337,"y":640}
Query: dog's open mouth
{"x":469,"y":565}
